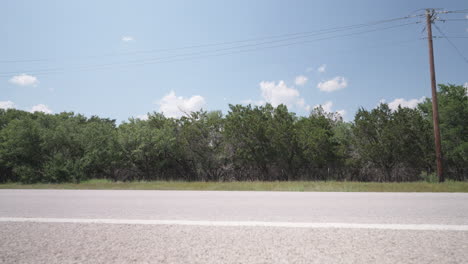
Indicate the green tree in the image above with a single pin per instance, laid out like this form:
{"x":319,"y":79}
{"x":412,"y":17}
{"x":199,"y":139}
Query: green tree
{"x":101,"y":151}
{"x":317,"y":145}
{"x":246,"y":130}
{"x":453,"y":113}
{"x":146,"y":147}
{"x":202,"y":144}
{"x":282,"y":132}
{"x":21,"y":149}
{"x":389,"y":140}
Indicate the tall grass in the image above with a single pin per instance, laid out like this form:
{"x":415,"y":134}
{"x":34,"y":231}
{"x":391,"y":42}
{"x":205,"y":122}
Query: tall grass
{"x":294,"y":186}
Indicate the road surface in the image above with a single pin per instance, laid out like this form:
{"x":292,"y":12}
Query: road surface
{"x":84,"y":226}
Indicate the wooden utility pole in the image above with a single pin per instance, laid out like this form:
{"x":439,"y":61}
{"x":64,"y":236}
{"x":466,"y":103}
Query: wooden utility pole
{"x":435,"y":109}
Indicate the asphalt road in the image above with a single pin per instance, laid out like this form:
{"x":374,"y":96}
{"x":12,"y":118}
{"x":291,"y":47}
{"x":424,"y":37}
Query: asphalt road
{"x":78,"y":226}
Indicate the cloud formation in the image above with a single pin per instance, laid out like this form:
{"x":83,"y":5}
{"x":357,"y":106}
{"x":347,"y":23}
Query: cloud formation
{"x":7,"y":105}
{"x":127,"y":39}
{"x":24,"y":80}
{"x":36,"y":108}
{"x":301,"y":80}
{"x":332,"y":85}
{"x":143,"y":117}
{"x":41,"y":108}
{"x":328,"y":107}
{"x":412,"y":103}
{"x":322,"y":68}
{"x":279,"y":93}
{"x":177,"y":106}
{"x":253,"y":102}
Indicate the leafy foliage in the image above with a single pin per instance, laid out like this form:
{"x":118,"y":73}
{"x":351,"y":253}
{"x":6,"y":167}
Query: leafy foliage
{"x":249,"y":143}
{"x":390,"y":139}
{"x":453,"y":115}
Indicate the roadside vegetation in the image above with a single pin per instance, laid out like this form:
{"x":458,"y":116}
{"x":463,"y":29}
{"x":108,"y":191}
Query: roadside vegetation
{"x":289,"y":186}
{"x":249,"y":143}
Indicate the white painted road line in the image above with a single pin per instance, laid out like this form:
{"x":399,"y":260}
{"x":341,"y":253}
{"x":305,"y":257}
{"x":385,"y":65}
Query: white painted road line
{"x":429,"y":227}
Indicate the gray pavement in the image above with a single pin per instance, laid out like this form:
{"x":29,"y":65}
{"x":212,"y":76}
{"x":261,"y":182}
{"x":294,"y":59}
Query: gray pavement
{"x":406,"y":208}
{"x":122,"y":243}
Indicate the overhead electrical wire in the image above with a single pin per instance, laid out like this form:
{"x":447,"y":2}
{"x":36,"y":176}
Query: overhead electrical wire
{"x":457,"y":11}
{"x":202,"y":54}
{"x":452,"y":37}
{"x":284,"y":36}
{"x":184,"y":59}
{"x":249,"y":45}
{"x":451,"y":43}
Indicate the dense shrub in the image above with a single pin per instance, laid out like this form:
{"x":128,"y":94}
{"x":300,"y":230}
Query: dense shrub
{"x":249,"y":143}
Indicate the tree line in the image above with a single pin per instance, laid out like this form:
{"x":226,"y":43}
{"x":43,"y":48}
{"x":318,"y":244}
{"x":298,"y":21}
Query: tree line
{"x":263,"y":143}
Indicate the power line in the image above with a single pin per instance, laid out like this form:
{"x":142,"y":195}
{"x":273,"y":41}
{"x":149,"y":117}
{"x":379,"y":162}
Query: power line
{"x":440,"y":11}
{"x":451,"y":43}
{"x":202,"y":54}
{"x":457,"y":11}
{"x":171,"y":58}
{"x":284,"y":36}
{"x":455,"y":19}
{"x":190,"y":59}
{"x":452,"y":37}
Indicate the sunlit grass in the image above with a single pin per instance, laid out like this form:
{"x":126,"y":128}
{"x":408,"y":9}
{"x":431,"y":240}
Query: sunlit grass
{"x":295,"y":186}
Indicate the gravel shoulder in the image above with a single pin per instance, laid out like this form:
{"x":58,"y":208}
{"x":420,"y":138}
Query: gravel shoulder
{"x":99,"y":243}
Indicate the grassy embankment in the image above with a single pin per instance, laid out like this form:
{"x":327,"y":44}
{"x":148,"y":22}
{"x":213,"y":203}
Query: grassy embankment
{"x":299,"y":186}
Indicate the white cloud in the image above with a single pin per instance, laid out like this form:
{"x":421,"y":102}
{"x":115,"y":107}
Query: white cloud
{"x":280,"y":93}
{"x":412,"y":103}
{"x":465,"y":85}
{"x":328,"y":107}
{"x":300,"y":80}
{"x":127,"y":39}
{"x":24,"y":80}
{"x":322,"y":68}
{"x":253,"y":102}
{"x":7,"y":105}
{"x":143,"y":117}
{"x":341,"y":112}
{"x":37,"y":108}
{"x":41,"y":108}
{"x":301,"y":103}
{"x":173,"y":106}
{"x":334,"y":84}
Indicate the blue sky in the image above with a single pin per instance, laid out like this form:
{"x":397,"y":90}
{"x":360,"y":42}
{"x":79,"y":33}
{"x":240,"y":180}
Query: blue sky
{"x":53,"y":51}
